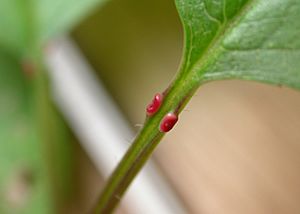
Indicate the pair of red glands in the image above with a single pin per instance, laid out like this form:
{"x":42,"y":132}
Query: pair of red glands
{"x":169,"y":119}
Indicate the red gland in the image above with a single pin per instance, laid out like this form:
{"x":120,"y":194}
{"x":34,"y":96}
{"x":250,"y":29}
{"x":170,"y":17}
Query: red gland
{"x":154,"y":106}
{"x":168,"y":122}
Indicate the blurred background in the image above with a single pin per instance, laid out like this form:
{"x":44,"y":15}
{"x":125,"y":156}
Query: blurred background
{"x":235,"y":149}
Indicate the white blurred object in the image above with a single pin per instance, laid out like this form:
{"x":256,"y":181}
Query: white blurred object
{"x":102,"y":130}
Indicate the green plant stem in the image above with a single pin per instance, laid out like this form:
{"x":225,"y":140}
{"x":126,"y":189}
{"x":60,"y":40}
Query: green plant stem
{"x":131,"y":164}
{"x":148,"y":138}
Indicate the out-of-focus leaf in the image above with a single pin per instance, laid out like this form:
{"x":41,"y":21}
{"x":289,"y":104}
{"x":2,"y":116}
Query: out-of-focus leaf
{"x":29,"y":125}
{"x":27,"y":23}
{"x":56,"y":16}
{"x":24,"y":185}
{"x":242,"y":39}
{"x":14,"y":24}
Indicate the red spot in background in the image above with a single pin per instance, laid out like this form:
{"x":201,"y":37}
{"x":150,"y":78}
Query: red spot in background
{"x":28,"y":68}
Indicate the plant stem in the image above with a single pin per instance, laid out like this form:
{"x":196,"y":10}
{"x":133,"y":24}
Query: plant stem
{"x":180,"y":91}
{"x":131,"y":164}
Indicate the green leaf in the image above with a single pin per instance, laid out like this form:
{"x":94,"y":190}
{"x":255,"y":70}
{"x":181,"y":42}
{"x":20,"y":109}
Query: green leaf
{"x":242,"y":39}
{"x":26,"y":24}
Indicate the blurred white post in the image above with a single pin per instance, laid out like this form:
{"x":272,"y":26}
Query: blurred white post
{"x":102,"y":130}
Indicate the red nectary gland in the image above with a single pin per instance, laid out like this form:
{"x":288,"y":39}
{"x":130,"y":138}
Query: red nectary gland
{"x":168,"y":122}
{"x":154,"y":106}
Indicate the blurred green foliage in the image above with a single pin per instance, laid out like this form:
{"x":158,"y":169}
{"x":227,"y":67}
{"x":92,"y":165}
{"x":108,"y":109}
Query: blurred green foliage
{"x":34,"y":150}
{"x":19,"y":148}
{"x":27,"y":24}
